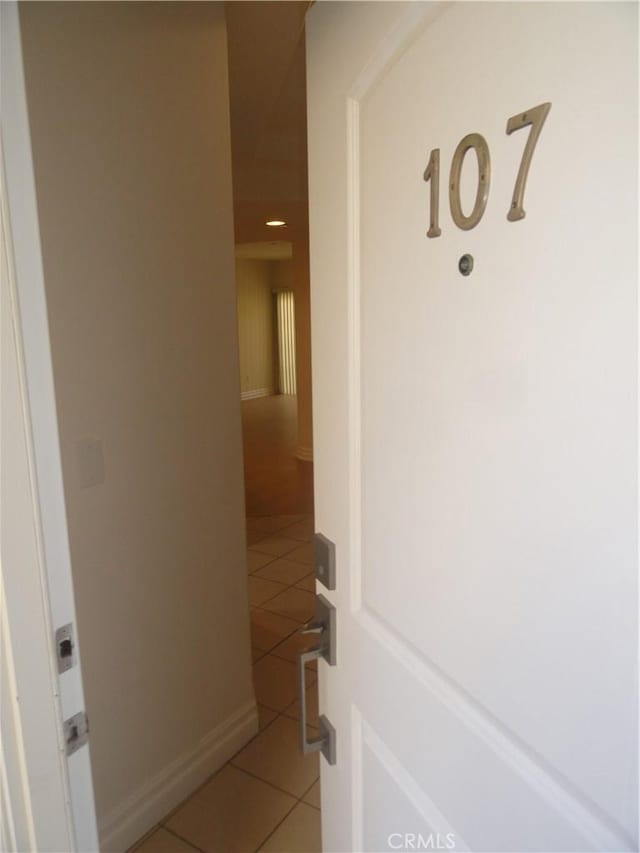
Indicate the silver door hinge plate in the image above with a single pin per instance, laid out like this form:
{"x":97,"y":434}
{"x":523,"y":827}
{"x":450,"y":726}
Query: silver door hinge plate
{"x":76,"y":732}
{"x":65,"y":648}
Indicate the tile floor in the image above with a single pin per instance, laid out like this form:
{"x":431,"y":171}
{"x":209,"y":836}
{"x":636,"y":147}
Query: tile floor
{"x":267,"y":797}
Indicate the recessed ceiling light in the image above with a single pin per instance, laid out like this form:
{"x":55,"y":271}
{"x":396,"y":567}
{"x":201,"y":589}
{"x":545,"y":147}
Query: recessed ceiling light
{"x":276,"y":223}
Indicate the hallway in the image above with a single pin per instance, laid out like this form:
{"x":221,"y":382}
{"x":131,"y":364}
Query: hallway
{"x":267,"y":797}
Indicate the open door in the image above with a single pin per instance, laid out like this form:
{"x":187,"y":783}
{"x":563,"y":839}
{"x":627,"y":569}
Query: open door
{"x":475,"y":414}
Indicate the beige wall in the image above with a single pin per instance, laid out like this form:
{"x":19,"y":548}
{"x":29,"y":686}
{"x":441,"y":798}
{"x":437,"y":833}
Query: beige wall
{"x":256,"y":281}
{"x":255,"y":327}
{"x":129,"y":115}
{"x":282,"y":274}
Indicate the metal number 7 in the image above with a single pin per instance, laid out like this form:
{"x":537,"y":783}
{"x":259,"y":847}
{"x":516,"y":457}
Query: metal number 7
{"x":535,"y":117}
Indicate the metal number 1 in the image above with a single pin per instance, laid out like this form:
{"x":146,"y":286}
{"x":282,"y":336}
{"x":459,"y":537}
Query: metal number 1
{"x":432,"y":173}
{"x":535,"y":117}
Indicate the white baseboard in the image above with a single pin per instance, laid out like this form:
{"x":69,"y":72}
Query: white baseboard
{"x":257,"y":392}
{"x":304,"y":453}
{"x":136,"y":815}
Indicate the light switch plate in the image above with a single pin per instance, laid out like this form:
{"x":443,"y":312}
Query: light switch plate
{"x":324,"y":560}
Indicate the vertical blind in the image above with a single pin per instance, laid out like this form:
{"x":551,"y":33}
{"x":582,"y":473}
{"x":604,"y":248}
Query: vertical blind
{"x":286,"y":342}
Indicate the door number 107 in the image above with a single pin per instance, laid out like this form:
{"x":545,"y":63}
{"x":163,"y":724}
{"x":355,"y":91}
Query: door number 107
{"x":535,"y":118}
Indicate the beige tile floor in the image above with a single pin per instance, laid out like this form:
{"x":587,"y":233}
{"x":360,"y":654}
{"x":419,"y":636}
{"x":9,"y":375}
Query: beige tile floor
{"x":267,"y":797}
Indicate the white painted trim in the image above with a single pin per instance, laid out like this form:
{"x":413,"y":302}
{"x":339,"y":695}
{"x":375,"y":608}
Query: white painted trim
{"x":136,"y":815}
{"x":16,"y":813}
{"x":60,"y":791}
{"x":257,"y":392}
{"x":29,"y":684}
{"x":304,"y":453}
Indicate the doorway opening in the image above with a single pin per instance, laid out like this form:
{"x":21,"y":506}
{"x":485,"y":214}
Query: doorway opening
{"x":269,"y":153}
{"x":267,"y":86}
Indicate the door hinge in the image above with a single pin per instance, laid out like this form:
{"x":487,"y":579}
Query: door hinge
{"x":76,"y":732}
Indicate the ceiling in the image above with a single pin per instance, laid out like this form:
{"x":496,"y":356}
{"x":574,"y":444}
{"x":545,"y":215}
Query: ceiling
{"x":267,"y":89}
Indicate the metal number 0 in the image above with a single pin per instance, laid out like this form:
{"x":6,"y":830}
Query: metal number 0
{"x":479,"y":145}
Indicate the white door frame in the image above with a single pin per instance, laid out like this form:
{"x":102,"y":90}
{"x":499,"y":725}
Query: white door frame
{"x":46,"y":798}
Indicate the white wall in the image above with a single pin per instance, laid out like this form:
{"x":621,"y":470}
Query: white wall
{"x":128,"y":107}
{"x":256,"y":325}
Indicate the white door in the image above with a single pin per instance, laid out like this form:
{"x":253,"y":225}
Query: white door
{"x":476,"y":435}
